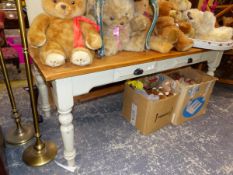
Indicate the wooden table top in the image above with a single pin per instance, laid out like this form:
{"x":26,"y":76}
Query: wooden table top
{"x":120,"y":60}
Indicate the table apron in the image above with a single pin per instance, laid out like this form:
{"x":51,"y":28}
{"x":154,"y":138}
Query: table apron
{"x":82,"y":84}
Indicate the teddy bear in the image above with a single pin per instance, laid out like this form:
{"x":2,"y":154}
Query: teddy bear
{"x":168,"y":33}
{"x":123,"y":30}
{"x":140,"y":25}
{"x":181,"y":6}
{"x":63,"y":33}
{"x":143,"y":11}
{"x":204,"y":26}
{"x":143,"y":8}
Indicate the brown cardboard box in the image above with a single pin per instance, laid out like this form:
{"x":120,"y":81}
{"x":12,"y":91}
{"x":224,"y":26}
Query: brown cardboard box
{"x":193,"y":99}
{"x":145,"y":114}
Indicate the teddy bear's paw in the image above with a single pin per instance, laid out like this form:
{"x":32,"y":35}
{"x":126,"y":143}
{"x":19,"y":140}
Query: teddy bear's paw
{"x":139,"y":23}
{"x":55,"y":60}
{"x":81,"y":58}
{"x":93,"y":41}
{"x":37,"y":40}
{"x":110,"y":48}
{"x":110,"y":51}
{"x":160,"y":45}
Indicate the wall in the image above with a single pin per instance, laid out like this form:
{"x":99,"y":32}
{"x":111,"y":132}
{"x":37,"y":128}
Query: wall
{"x":33,"y":9}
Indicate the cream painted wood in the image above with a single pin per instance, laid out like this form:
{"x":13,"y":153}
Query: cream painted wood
{"x":63,"y":97}
{"x":214,"y":61}
{"x":43,"y":93}
{"x":84,"y":83}
{"x":89,"y":81}
{"x":179,"y":62}
{"x":65,"y":89}
{"x":33,"y":9}
{"x":122,"y":59}
{"x":128,"y":71}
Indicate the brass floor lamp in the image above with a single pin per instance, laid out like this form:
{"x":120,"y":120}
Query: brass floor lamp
{"x":22,"y":133}
{"x":41,"y":152}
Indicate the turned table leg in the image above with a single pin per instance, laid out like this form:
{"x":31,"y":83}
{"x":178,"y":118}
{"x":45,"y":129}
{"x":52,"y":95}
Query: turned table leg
{"x":67,"y":132}
{"x":43,"y":93}
{"x":214,"y":62}
{"x":62,"y":92}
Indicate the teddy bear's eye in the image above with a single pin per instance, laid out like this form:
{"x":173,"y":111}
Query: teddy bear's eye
{"x":112,"y":18}
{"x":55,"y":1}
{"x":73,"y":2}
{"x":189,"y":16}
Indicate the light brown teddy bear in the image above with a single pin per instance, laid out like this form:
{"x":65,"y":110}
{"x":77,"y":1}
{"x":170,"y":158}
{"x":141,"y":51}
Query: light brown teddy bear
{"x":122,"y":29}
{"x":167,"y":31}
{"x":62,"y":33}
{"x":143,"y":13}
{"x":157,"y":43}
{"x":181,"y":6}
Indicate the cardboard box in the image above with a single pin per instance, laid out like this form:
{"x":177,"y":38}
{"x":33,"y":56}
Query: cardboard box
{"x":145,"y":114}
{"x":193,"y":99}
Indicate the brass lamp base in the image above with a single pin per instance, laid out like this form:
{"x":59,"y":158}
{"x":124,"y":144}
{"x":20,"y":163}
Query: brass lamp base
{"x":33,"y":157}
{"x":20,"y":136}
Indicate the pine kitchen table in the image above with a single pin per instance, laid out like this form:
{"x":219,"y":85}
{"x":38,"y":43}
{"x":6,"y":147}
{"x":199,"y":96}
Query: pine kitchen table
{"x":69,"y":80}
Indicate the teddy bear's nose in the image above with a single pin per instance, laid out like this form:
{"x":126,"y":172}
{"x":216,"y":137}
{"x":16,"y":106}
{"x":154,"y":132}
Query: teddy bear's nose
{"x":63,"y":6}
{"x":122,"y":23}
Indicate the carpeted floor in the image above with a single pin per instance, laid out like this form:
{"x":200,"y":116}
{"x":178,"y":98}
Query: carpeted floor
{"x":17,"y":79}
{"x":13,"y":73}
{"x":108,"y":145}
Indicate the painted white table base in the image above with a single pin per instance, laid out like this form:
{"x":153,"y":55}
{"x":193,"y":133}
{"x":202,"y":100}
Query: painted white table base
{"x":43,"y":99}
{"x":65,"y":89}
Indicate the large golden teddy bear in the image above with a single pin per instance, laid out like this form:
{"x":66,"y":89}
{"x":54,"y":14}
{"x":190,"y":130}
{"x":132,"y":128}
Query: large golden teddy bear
{"x":63,"y":33}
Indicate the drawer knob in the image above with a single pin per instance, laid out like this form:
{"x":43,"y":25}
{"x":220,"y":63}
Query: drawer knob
{"x":190,"y":60}
{"x":138,"y":71}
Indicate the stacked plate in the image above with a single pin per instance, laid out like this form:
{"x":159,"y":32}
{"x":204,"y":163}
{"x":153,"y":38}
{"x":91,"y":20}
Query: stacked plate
{"x":213,"y":45}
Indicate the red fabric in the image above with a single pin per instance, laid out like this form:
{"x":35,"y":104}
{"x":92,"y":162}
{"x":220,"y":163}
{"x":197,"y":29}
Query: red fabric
{"x":9,"y":53}
{"x":78,"y":37}
{"x":2,"y":19}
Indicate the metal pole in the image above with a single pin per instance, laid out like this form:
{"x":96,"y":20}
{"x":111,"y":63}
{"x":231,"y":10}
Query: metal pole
{"x":21,"y":134}
{"x":41,"y":152}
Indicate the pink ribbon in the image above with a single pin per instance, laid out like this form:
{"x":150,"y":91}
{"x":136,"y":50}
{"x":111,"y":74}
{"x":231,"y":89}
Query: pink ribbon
{"x":116,"y":34}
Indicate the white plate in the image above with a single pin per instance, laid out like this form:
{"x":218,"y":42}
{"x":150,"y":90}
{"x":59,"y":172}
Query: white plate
{"x":213,"y":45}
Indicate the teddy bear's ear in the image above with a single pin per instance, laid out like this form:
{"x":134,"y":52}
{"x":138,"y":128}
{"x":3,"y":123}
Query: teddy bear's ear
{"x":189,"y":5}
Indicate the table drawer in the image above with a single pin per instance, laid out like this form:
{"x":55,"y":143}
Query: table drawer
{"x":188,"y":60}
{"x":178,"y":62}
{"x":134,"y":71}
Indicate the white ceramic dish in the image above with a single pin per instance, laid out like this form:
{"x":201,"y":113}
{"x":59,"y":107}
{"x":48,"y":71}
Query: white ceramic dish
{"x":213,"y":45}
